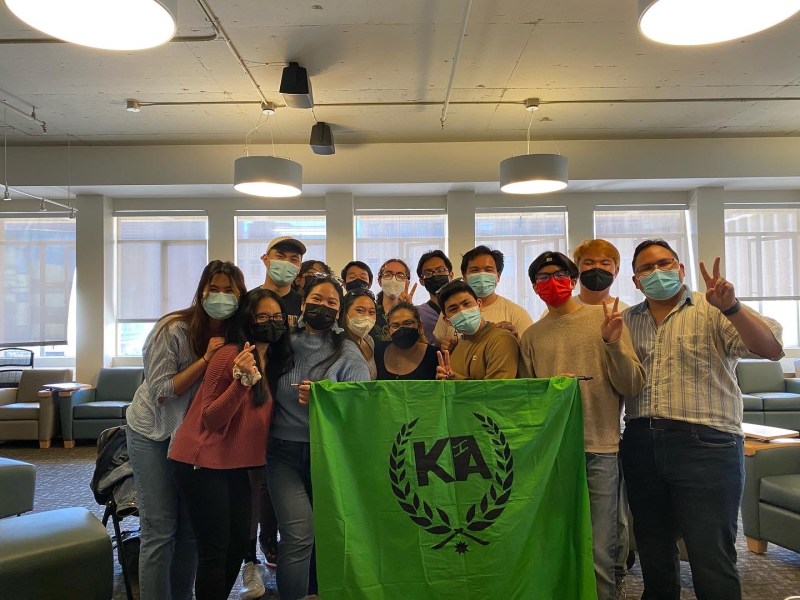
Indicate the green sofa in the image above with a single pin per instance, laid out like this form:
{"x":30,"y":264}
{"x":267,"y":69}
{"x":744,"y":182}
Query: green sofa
{"x":768,"y":397}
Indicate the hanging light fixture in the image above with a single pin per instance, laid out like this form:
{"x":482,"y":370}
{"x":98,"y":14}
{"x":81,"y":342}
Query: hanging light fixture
{"x":267,"y":176}
{"x":106,"y":24}
{"x":698,"y":22}
{"x":533,"y":173}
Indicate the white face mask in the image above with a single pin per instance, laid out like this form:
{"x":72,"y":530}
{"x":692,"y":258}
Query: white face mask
{"x":360,"y":326}
{"x":392,"y":287}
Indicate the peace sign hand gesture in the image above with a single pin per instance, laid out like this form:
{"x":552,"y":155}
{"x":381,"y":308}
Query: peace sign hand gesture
{"x":407,"y":296}
{"x":719,"y":291}
{"x":443,"y":371}
{"x":612,"y":324}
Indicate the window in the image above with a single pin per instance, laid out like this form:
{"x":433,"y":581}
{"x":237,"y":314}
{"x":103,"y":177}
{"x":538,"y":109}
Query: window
{"x":37,"y":262}
{"x":407,"y":236}
{"x":627,"y":228}
{"x":762,"y":257}
{"x":159,"y":262}
{"x":521,"y":237}
{"x":254,"y":232}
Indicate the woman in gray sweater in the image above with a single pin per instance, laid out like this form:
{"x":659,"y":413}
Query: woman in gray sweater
{"x":321,"y":351}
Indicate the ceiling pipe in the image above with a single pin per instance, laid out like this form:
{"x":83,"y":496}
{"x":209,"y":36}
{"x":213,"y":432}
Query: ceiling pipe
{"x":213,"y":37}
{"x":72,"y":209}
{"x":31,"y":117}
{"x":454,"y":66}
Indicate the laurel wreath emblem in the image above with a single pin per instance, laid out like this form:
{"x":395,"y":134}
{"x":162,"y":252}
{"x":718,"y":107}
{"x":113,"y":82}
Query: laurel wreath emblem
{"x":436,"y":521}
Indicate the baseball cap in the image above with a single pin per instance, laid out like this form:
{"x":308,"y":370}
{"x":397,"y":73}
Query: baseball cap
{"x":548,"y":258}
{"x":285,"y":239}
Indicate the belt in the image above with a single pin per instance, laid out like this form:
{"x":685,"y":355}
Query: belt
{"x":665,"y":424}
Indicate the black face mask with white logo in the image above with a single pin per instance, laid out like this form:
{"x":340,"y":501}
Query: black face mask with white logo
{"x":597,"y":279}
{"x":435,"y":283}
{"x":356,"y":284}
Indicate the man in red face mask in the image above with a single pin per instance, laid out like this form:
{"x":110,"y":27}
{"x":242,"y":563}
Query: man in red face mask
{"x":570,"y":339}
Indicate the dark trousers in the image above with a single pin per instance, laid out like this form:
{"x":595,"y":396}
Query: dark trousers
{"x":262,"y":511}
{"x":218,"y":502}
{"x":684,"y":482}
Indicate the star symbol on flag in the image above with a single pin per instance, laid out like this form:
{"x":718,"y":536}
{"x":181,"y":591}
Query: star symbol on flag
{"x":461,"y":547}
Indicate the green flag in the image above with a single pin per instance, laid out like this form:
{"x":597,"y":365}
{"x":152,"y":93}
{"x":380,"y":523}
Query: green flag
{"x":451,"y":489}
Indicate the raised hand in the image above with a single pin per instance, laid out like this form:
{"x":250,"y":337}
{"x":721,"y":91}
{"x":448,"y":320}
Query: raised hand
{"x":443,"y":371}
{"x":304,"y":392}
{"x":719,"y":291}
{"x":612,"y":324}
{"x":245,"y":359}
{"x":407,"y":296}
{"x":214,"y":344}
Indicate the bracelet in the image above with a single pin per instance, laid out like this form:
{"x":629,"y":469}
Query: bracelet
{"x":204,"y":358}
{"x":733,"y":309}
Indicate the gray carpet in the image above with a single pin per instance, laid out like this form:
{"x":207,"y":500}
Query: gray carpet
{"x":62,"y":480}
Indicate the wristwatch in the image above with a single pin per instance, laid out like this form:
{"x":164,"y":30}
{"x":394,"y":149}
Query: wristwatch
{"x":733,"y":309}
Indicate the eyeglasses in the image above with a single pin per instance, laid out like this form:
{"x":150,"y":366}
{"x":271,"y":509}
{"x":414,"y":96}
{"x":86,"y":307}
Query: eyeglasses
{"x":542,"y":277}
{"x":665,"y":264}
{"x":265,"y":318}
{"x":395,"y":326}
{"x":436,"y":271}
{"x":398,"y":276}
{"x":361,"y":292}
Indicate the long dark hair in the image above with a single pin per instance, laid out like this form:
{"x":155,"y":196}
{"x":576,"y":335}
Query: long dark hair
{"x":198,"y":321}
{"x":336,"y":338}
{"x":279,"y":354}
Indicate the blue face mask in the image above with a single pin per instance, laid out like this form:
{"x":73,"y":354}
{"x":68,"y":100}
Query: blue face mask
{"x":220,"y":305}
{"x":467,"y":321}
{"x":282,"y":272}
{"x":482,"y":284}
{"x":661,"y":285}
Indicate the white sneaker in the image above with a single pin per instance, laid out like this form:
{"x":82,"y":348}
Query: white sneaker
{"x":252,"y":581}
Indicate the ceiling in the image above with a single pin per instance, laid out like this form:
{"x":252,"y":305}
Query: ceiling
{"x":364,"y":53}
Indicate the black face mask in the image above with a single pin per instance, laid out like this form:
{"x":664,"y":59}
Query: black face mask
{"x":267,"y":333}
{"x":435,"y":283}
{"x":596,"y":279}
{"x":405,"y":337}
{"x":356,"y":284}
{"x":319,"y":317}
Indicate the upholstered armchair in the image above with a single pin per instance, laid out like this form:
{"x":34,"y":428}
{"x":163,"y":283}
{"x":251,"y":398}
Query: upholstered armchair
{"x":768,"y":397}
{"x":86,"y":413}
{"x":28,"y":412}
{"x":771,"y":498}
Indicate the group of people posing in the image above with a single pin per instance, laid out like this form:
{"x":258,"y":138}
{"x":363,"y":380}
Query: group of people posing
{"x":218,"y":433}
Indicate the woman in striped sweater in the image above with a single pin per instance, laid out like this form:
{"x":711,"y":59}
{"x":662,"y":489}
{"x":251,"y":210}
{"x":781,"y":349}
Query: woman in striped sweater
{"x":224,"y":434}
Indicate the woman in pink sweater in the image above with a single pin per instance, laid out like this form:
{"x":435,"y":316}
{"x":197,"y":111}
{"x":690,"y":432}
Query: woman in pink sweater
{"x":224,"y":434}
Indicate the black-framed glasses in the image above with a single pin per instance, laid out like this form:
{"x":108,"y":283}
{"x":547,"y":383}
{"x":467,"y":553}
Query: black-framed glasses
{"x":435,"y":272}
{"x":361,"y":292}
{"x":665,"y":264}
{"x":261,"y":318}
{"x":410,"y":323}
{"x":542,"y":277}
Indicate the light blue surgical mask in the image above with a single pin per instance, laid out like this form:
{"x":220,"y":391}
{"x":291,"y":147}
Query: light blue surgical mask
{"x":661,"y":285}
{"x":482,"y":284}
{"x":467,"y":321}
{"x":220,"y":305}
{"x":282,"y":272}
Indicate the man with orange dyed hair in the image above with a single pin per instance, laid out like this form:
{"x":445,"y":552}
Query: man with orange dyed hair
{"x":598,"y":265}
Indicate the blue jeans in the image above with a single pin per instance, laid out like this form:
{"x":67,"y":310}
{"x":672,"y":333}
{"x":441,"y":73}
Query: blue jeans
{"x":602,"y":477}
{"x":289,"y":481}
{"x":167,"y":556}
{"x":685,"y":482}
